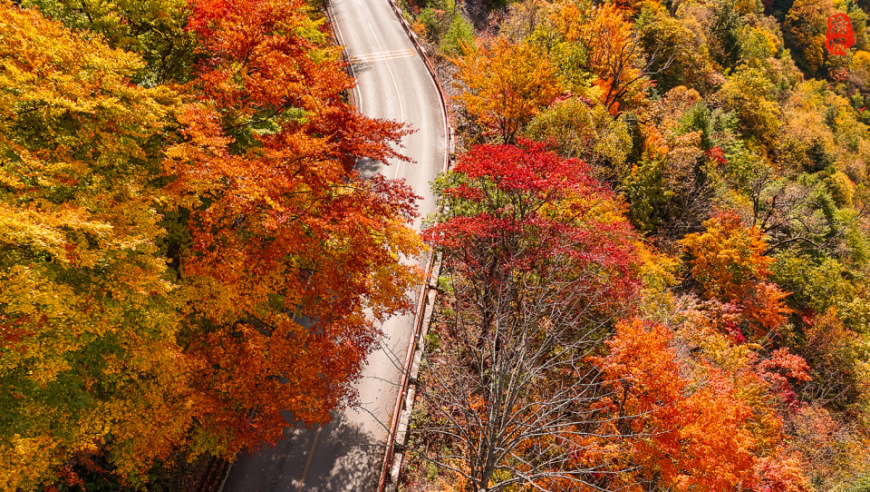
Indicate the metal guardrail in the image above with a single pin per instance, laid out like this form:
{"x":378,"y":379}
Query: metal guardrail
{"x":218,"y":469}
{"x":419,"y":318}
{"x":430,"y":66}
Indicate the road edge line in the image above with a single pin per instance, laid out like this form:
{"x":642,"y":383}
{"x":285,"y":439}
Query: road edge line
{"x":420,"y":318}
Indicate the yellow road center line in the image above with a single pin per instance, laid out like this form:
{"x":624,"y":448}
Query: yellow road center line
{"x":386,"y":55}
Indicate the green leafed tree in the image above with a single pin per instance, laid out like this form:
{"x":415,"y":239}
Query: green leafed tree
{"x":155,"y":29}
{"x":88,"y":352}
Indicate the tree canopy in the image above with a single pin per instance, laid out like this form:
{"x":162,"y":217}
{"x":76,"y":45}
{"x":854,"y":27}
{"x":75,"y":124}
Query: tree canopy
{"x":187,"y":250}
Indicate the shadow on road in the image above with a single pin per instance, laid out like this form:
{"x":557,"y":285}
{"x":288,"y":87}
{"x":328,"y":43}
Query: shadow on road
{"x":368,"y":167}
{"x":343,"y":460}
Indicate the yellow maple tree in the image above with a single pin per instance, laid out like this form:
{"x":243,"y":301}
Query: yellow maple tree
{"x":506,"y":85}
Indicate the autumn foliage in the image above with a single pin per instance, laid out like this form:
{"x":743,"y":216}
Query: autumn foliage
{"x":87,"y":329}
{"x":613,"y":51}
{"x":729,"y":261}
{"x":281,"y":227}
{"x":183,"y":263}
{"x":728,"y":258}
{"x":540,"y":258}
{"x":738,"y":147}
{"x":507,"y":85}
{"x":520,"y":207}
{"x":187,"y":251}
{"x":688,"y":418}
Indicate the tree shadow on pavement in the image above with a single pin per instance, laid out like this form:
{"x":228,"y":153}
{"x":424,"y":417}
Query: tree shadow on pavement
{"x":345,"y":459}
{"x":368,"y":167}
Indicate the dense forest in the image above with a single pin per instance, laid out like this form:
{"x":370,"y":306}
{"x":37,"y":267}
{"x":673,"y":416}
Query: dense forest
{"x":655,"y":248}
{"x":655,"y":242}
{"x":186,"y":250}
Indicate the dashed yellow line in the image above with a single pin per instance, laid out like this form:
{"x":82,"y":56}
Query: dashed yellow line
{"x":386,"y":55}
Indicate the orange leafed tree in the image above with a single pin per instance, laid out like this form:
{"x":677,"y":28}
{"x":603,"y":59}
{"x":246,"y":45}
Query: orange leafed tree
{"x":180,"y":266}
{"x":729,"y":262}
{"x":680,"y":425}
{"x":615,"y":54}
{"x":686,"y":410}
{"x":762,"y":381}
{"x":289,"y":247}
{"x":506,"y":85}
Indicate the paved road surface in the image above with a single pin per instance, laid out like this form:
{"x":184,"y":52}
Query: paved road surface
{"x":346,"y":454}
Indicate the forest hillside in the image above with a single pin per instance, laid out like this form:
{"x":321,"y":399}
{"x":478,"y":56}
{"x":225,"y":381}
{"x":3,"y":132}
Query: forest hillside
{"x":655,"y":248}
{"x":654,"y":243}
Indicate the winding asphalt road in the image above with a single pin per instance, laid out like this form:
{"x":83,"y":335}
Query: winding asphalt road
{"x":394,"y":84}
